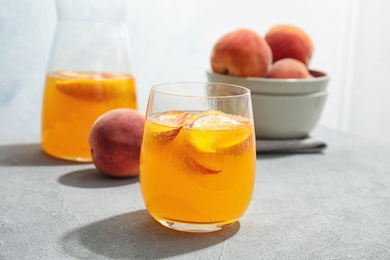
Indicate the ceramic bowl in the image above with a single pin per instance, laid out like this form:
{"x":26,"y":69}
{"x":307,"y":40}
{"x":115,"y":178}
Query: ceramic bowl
{"x":318,"y":83}
{"x":283,"y":108}
{"x":287,"y":117}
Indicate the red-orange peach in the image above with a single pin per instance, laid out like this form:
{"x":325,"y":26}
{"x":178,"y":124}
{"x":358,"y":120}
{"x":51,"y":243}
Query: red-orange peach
{"x":115,"y":140}
{"x":288,"y":41}
{"x":241,"y":53}
{"x":288,"y":68}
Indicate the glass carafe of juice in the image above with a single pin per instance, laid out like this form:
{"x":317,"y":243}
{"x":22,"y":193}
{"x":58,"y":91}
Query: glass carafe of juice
{"x":89,"y":73}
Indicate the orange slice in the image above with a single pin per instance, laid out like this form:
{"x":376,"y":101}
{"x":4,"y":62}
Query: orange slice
{"x":212,"y":132}
{"x":213,"y":135}
{"x":240,"y":148}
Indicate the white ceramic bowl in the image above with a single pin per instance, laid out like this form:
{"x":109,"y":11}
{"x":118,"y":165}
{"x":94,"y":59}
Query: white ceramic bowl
{"x":318,"y":83}
{"x":286,"y":117}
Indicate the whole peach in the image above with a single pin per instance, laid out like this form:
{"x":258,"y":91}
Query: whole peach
{"x":288,"y":68}
{"x":115,"y":140}
{"x":288,"y":41}
{"x":241,"y":53}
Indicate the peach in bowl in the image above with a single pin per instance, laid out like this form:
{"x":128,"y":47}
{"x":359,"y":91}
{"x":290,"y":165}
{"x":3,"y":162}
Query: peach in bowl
{"x":283,"y":108}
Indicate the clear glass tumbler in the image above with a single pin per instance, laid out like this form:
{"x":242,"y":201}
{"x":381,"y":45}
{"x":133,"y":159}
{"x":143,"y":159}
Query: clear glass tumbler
{"x":89,"y":73}
{"x":198,"y":155}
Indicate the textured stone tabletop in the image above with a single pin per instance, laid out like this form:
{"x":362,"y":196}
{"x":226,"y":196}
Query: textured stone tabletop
{"x":333,"y":205}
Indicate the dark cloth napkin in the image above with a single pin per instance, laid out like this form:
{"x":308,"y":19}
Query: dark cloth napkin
{"x":290,"y":146}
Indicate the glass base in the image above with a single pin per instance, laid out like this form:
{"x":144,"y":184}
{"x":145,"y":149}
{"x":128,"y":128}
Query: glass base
{"x":69,"y":158}
{"x":76,"y":159}
{"x":195,"y":227}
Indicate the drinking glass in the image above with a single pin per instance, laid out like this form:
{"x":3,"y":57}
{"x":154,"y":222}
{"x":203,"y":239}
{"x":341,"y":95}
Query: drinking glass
{"x":198,"y":156}
{"x":89,"y":73}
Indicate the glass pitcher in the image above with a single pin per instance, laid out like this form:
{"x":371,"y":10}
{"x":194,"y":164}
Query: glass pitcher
{"x":89,"y":73}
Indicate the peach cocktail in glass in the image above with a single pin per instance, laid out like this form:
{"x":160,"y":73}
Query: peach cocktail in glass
{"x":198,"y":155}
{"x":73,"y":101}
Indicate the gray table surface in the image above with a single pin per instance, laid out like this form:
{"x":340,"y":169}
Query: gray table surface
{"x":334,"y":205}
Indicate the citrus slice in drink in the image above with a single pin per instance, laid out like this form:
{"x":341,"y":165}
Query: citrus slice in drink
{"x":90,"y":86}
{"x":212,"y":132}
{"x":210,"y":137}
{"x":168,"y":125}
{"x":240,"y":148}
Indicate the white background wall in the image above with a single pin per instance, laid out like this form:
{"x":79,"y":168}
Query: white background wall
{"x":171,"y":40}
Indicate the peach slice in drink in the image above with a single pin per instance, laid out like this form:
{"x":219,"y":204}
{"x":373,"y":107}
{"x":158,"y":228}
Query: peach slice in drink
{"x":168,"y":125}
{"x":75,"y":74}
{"x":88,"y":75}
{"x":172,"y":118}
{"x":211,"y":168}
{"x":90,"y":86}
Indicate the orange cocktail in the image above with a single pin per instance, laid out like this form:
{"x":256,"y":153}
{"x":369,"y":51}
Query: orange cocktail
{"x":197,"y":168}
{"x":73,"y":101}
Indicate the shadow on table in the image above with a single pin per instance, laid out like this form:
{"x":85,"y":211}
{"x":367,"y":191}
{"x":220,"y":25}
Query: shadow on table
{"x":277,"y":155}
{"x":92,"y":178}
{"x":136,"y":235}
{"x":28,"y":155}
{"x":269,"y":156}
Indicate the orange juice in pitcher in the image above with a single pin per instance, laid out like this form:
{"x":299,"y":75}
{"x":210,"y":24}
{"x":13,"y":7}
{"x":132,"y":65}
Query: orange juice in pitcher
{"x":89,"y":73}
{"x":73,"y":101}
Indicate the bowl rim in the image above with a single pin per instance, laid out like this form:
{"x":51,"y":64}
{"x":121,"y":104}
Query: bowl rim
{"x":281,"y":97}
{"x":276,"y":86}
{"x":319,"y":75}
